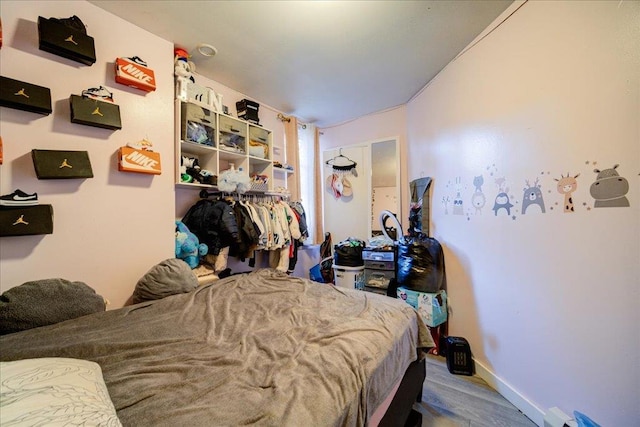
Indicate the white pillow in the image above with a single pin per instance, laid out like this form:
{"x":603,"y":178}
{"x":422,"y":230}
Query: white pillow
{"x":54,"y":391}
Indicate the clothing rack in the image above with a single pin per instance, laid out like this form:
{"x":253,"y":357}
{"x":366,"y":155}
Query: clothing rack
{"x":248,"y":196}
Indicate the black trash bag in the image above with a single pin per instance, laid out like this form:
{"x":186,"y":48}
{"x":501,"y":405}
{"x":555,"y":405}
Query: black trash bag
{"x":348,"y":253}
{"x":326,"y":263}
{"x":421,"y":264}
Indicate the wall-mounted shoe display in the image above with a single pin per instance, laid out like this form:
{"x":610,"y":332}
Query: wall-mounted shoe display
{"x":19,"y":198}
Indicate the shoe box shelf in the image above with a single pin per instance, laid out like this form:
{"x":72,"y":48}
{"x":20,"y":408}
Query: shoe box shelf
{"x":26,"y":220}
{"x":221,"y":142}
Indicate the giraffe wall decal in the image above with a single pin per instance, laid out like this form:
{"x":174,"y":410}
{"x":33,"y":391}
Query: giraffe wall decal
{"x":567,"y":185}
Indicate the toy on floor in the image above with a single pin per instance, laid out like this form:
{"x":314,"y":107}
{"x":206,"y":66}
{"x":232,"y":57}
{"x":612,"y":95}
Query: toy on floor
{"x":188,"y":247}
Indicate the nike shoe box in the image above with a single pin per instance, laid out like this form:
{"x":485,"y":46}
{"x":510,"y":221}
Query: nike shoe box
{"x":62,"y":40}
{"x":26,"y":220}
{"x":141,"y":161}
{"x":56,"y":164}
{"x":25,"y":96}
{"x":134,"y":74}
{"x":92,"y":112}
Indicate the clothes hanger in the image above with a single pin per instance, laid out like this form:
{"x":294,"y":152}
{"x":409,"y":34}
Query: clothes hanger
{"x":349,"y":165}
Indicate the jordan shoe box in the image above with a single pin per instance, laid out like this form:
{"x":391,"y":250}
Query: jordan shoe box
{"x":92,"y":112}
{"x":25,"y":96}
{"x":56,"y":164}
{"x":26,"y":220}
{"x":62,"y":40}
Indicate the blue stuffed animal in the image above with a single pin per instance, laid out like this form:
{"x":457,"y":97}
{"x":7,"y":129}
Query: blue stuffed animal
{"x":188,"y":247}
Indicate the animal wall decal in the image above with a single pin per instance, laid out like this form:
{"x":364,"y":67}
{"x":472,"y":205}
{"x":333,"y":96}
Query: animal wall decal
{"x":567,"y":185}
{"x":532,"y":196}
{"x":502,"y":199}
{"x":458,"y":208}
{"x":609,"y":189}
{"x":477,"y":183}
{"x":478,"y":199}
{"x":445,"y":203}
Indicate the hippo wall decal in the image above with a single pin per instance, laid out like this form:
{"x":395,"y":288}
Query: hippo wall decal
{"x":609,"y":189}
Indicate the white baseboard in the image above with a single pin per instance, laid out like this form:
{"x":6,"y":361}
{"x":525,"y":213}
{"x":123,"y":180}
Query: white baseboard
{"x":532,"y":412}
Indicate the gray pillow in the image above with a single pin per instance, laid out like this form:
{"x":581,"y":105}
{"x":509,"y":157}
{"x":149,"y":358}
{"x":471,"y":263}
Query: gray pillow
{"x":45,"y":302}
{"x":170,"y":277}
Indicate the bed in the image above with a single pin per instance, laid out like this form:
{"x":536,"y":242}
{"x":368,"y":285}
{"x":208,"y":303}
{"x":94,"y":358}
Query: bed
{"x":261,"y":348}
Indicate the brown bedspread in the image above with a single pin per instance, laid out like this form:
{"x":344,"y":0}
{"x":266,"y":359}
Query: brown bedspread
{"x":261,"y":348}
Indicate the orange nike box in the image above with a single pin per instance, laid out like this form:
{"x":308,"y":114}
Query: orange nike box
{"x":141,"y":161}
{"x":135,"y":75}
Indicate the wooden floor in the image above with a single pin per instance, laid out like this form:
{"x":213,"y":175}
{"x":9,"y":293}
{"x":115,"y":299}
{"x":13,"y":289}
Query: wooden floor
{"x":459,"y":400}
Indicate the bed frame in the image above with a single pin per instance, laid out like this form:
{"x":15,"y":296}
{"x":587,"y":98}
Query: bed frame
{"x":400,"y":412}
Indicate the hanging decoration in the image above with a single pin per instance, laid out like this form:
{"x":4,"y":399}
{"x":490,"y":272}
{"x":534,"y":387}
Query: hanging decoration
{"x":337,"y":183}
{"x":342,"y":165}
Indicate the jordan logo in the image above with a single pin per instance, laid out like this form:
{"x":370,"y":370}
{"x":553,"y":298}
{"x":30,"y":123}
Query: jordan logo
{"x":21,"y":92}
{"x":97,"y":112}
{"x":64,"y":164}
{"x":70,"y":39}
{"x":21,"y":221}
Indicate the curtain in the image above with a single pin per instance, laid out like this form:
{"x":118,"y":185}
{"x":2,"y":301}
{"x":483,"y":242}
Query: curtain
{"x":317,"y":207}
{"x":303,"y":153}
{"x":308,"y":166}
{"x":292,"y":156}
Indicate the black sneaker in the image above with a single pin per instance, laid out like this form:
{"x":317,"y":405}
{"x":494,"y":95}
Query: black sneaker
{"x":19,"y":198}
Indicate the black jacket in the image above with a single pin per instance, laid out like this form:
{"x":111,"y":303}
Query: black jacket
{"x":214,"y":222}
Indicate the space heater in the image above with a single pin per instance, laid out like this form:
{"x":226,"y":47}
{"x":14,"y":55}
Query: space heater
{"x":458,"y":353}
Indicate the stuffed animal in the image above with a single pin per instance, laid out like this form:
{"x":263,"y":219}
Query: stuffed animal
{"x":234,"y":179}
{"x":189,"y":169}
{"x":182,"y":66}
{"x":188,"y":247}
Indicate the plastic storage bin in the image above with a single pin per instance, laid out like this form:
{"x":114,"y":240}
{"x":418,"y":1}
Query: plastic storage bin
{"x":349,"y":277}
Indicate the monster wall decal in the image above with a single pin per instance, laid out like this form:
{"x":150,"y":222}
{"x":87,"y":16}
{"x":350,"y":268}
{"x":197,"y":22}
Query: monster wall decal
{"x":532,"y":196}
{"x":609,"y":189}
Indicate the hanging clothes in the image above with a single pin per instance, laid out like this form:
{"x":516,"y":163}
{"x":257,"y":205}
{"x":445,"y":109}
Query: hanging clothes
{"x":248,"y":236}
{"x":214,"y":223}
{"x":243,"y":227}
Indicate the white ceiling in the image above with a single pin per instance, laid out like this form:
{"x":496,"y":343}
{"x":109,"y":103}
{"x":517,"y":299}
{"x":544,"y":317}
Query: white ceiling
{"x":325,"y":62}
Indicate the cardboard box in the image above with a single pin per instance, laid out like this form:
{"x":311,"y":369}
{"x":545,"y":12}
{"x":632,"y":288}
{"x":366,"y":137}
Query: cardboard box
{"x":26,"y":220}
{"x":141,"y":161}
{"x":135,"y":75}
{"x":432,"y":307}
{"x":25,"y":96}
{"x":91,"y":112}
{"x":57,"y":164}
{"x":59,"y":39}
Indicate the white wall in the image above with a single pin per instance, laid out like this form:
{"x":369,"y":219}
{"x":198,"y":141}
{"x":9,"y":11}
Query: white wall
{"x":108,"y":230}
{"x":548,"y":301}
